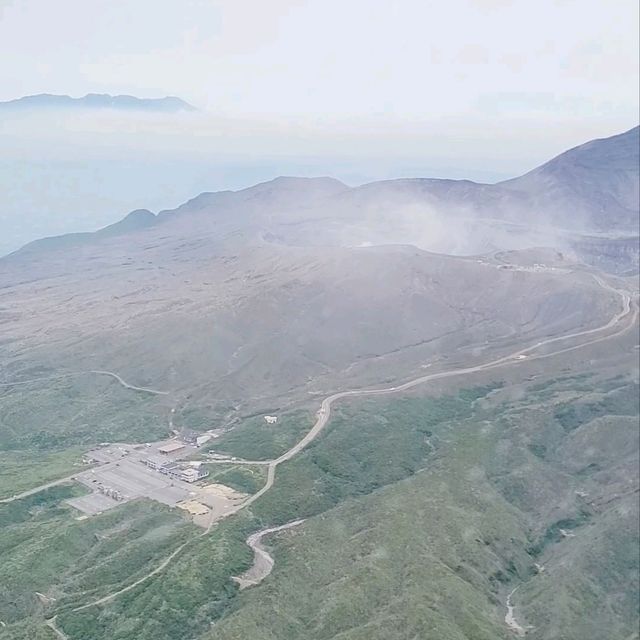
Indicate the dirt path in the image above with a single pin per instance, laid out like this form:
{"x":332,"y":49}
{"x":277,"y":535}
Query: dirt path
{"x":262,"y":561}
{"x":126,"y":385}
{"x":158,"y":569}
{"x":51,"y":623}
{"x":510,"y":619}
{"x":628,"y":312}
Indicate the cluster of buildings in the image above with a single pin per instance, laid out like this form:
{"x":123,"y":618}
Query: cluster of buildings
{"x":176,"y":470}
{"x":195,"y":439}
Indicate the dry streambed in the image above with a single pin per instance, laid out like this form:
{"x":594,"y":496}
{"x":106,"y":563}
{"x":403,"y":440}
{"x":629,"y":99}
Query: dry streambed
{"x":262,"y":561}
{"x":510,"y":619}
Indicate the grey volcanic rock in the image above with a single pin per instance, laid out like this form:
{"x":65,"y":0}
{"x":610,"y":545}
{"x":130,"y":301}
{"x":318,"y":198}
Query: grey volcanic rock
{"x":591,"y":187}
{"x":47,"y":101}
{"x":616,"y":255}
{"x":282,"y":192}
{"x":588,"y":191}
{"x":240,"y":326}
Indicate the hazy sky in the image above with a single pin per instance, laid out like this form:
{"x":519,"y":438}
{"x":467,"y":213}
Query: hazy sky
{"x":426,"y":64}
{"x":358,"y":89}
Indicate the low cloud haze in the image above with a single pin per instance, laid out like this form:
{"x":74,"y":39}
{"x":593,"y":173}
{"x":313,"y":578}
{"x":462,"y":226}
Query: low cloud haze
{"x":384,"y":91}
{"x":410,"y":61}
{"x":63,"y":172}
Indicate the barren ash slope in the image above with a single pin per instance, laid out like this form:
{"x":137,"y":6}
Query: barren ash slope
{"x":273,"y":297}
{"x":585,"y":196}
{"x":285,"y":288}
{"x":294,"y":283}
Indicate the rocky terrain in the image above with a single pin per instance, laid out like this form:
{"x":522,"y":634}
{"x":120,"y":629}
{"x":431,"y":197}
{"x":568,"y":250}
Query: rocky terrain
{"x":276,"y":323}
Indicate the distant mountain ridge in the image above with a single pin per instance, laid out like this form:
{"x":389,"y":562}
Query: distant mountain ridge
{"x":46,"y":101}
{"x":134,"y":221}
{"x":597,"y":181}
{"x":584,"y":201}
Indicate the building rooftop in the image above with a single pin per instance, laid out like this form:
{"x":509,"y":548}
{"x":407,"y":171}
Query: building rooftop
{"x":170,"y":447}
{"x":158,"y":461}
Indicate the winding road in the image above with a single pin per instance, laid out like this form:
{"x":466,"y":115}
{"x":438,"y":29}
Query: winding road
{"x":324,"y":413}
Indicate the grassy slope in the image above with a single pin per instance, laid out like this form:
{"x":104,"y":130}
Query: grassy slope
{"x":427,"y":512}
{"x":180,"y":602}
{"x":254,"y":439}
{"x":22,"y":470}
{"x":425,"y":557}
{"x":433,"y":556}
{"x":43,"y":548}
{"x":192,"y":593}
{"x":45,"y":427}
{"x":77,"y":411}
{"x":415,"y":560}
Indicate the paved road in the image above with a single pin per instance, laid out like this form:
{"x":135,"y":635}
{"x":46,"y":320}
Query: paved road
{"x":241,"y":461}
{"x":324,"y":414}
{"x":42,"y":487}
{"x":626,"y":317}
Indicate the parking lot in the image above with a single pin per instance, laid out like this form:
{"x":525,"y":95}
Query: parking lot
{"x":93,"y":503}
{"x":120,"y":475}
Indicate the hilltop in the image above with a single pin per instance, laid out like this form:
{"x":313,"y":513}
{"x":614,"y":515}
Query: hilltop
{"x":48,"y":101}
